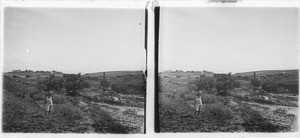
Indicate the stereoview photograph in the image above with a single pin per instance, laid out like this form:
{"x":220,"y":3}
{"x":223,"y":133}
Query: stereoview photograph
{"x":228,"y":69}
{"x":73,"y":70}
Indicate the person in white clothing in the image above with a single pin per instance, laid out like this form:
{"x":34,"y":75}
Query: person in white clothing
{"x":49,"y":105}
{"x":198,"y":104}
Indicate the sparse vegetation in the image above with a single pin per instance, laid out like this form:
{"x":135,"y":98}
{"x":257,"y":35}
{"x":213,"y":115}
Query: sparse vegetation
{"x":76,"y":108}
{"x":219,"y":83}
{"x":249,"y":105}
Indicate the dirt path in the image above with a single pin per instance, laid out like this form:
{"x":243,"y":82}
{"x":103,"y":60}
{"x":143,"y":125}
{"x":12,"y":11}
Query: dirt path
{"x":290,"y":110}
{"x":126,"y":115}
{"x":139,"y":111}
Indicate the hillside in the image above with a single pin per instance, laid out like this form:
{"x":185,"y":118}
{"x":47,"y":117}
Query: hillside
{"x":92,"y":106}
{"x":268,"y":72}
{"x":113,"y":73}
{"x":231,"y":103}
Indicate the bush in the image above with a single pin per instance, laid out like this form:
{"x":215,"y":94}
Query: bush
{"x":270,"y":87}
{"x":255,"y":83}
{"x":13,"y":113}
{"x":205,"y":83}
{"x":104,"y":83}
{"x":191,"y":86}
{"x":39,"y":97}
{"x":14,"y":86}
{"x":59,"y":99}
{"x":41,"y":86}
{"x":225,"y":82}
{"x":69,"y":112}
{"x":27,"y":75}
{"x":219,"y":83}
{"x":74,"y":82}
{"x":128,"y":84}
{"x":218,"y":112}
{"x":53,"y":83}
{"x":274,"y":87}
{"x":69,"y":83}
{"x":211,"y":99}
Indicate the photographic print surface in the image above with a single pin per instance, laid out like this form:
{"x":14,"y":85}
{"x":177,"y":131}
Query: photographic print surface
{"x":73,"y":70}
{"x":228,"y":69}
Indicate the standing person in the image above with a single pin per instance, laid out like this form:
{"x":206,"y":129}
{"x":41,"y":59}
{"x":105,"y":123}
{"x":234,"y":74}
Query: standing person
{"x":198,"y":103}
{"x":49,"y":102}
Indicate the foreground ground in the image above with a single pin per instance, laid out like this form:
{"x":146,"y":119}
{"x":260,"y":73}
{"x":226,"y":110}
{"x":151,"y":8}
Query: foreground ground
{"x":93,"y":110}
{"x":237,"y":112}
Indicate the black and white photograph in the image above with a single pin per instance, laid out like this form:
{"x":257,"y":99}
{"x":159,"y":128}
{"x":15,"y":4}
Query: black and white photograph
{"x":227,"y":69}
{"x":73,"y":70}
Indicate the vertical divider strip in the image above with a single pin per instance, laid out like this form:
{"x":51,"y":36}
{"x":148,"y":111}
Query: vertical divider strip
{"x":156,"y":43}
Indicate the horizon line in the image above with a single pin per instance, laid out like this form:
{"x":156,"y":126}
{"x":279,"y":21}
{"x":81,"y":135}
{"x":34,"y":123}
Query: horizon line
{"x":73,"y":73}
{"x":230,"y":72}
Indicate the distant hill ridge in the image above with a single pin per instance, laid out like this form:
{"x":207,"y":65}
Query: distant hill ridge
{"x":110,"y":73}
{"x":96,"y":74}
{"x":268,"y":72}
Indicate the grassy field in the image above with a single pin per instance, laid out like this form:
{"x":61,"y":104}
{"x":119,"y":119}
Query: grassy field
{"x":243,"y":109}
{"x":95,"y":109}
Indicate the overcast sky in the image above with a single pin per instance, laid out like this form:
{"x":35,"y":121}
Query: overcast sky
{"x":228,"y":39}
{"x":74,"y":40}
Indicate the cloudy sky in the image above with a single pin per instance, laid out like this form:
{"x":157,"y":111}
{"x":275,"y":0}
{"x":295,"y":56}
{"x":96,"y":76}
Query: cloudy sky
{"x":74,"y":40}
{"x":228,"y":39}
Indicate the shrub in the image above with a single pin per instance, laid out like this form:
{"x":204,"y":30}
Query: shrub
{"x":225,"y":82}
{"x":27,"y":75}
{"x":41,"y":86}
{"x":219,"y":83}
{"x":190,"y":86}
{"x":13,"y":113}
{"x":69,"y":112}
{"x":59,"y":99}
{"x":104,"y":83}
{"x":53,"y":83}
{"x":69,"y":83}
{"x":255,"y":82}
{"x":211,"y":99}
{"x":39,"y":97}
{"x":187,"y":96}
{"x":270,"y":87}
{"x":74,"y":82}
{"x":128,"y":84}
{"x":205,"y":83}
{"x":276,"y":87}
{"x":14,"y":86}
{"x":126,"y":88}
{"x":218,"y":112}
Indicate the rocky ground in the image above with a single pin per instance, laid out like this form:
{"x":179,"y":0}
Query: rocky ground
{"x":279,"y":115}
{"x":221,"y":113}
{"x":126,"y":115}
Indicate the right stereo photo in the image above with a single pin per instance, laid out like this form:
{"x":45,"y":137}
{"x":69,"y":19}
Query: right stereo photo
{"x":227,"y":69}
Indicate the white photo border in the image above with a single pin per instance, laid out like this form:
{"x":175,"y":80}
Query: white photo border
{"x":150,"y":79}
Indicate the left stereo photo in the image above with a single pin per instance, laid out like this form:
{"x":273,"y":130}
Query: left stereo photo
{"x":73,"y":70}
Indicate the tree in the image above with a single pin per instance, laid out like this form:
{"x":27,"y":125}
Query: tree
{"x":255,"y":83}
{"x":51,"y":83}
{"x":225,"y":82}
{"x":74,"y":82}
